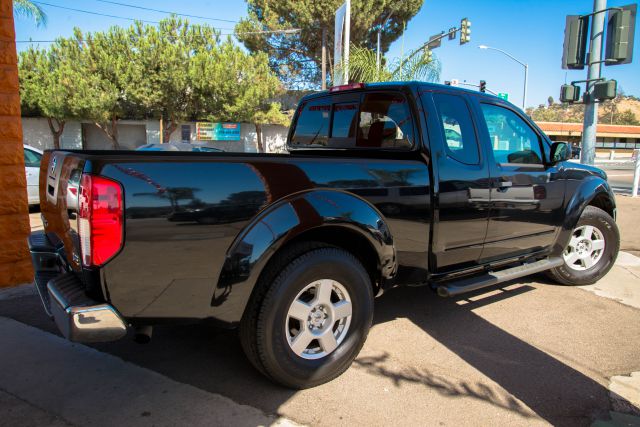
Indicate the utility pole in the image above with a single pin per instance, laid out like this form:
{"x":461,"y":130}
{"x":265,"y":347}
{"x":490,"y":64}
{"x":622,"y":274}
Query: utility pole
{"x":591,"y":107}
{"x":379,"y":42}
{"x":324,"y":58}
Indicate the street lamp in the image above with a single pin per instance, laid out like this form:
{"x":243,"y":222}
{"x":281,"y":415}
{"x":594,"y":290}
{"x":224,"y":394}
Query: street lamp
{"x":526,"y":71}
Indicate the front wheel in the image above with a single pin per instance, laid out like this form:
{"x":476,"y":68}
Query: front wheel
{"x":592,"y":250}
{"x":313,"y":319}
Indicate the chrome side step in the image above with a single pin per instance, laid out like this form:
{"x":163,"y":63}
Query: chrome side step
{"x":469,"y":284}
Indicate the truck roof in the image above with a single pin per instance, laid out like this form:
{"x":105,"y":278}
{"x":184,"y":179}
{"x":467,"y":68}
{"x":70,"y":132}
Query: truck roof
{"x":411,"y":85}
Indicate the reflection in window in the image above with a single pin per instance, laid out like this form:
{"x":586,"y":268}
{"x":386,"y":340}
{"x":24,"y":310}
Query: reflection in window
{"x":31,"y":159}
{"x":344,"y":120}
{"x":385,"y":122}
{"x":512,"y":139}
{"x":312,"y":127}
{"x":457,"y":127}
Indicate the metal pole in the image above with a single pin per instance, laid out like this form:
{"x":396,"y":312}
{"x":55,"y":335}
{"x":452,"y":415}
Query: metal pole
{"x":636,"y":174}
{"x":378,"y":53}
{"x":324,"y":59}
{"x":347,"y":41}
{"x":590,"y":125}
{"x":526,"y":79}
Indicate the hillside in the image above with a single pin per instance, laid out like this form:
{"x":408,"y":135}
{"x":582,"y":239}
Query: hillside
{"x":624,"y":110}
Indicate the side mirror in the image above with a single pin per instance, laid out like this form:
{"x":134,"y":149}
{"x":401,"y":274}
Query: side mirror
{"x":560,"y":152}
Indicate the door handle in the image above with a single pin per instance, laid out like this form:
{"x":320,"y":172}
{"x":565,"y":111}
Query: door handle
{"x":505,"y":184}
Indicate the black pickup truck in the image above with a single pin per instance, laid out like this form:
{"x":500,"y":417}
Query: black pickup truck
{"x":385,"y":184}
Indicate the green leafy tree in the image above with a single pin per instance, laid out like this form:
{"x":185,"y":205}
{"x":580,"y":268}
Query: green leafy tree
{"x":296,"y":57}
{"x":363,"y":67}
{"x":163,"y":76}
{"x":55,"y":84}
{"x":244,"y":90}
{"x":29,"y":9}
{"x":627,"y":118}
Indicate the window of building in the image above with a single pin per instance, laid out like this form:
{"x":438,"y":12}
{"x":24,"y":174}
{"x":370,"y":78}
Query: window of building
{"x":457,"y":128}
{"x":512,"y":139}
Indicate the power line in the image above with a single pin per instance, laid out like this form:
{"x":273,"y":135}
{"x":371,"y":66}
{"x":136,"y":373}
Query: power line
{"x":165,"y":11}
{"x":94,"y":13}
{"x":287,"y":31}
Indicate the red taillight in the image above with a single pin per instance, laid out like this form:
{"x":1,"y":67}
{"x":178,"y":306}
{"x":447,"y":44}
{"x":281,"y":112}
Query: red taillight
{"x":347,"y":87}
{"x":100,"y":219}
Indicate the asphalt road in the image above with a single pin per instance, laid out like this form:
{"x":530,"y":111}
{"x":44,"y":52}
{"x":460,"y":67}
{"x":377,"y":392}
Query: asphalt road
{"x":620,"y":176}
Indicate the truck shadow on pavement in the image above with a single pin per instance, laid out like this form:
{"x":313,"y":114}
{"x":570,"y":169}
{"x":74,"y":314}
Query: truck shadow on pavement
{"x":212,"y":359}
{"x":553,"y":390}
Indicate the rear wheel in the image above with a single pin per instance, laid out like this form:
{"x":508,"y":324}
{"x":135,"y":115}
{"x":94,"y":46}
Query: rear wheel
{"x":313,"y":318}
{"x":592,"y":250}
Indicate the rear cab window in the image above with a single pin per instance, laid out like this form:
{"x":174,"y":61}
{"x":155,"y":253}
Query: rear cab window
{"x":367,"y":120}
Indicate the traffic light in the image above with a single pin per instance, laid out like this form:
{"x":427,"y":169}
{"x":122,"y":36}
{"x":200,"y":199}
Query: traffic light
{"x":452,"y":33}
{"x":620,"y":34}
{"x":483,"y":86}
{"x":574,"y":52}
{"x":604,"y":90}
{"x":569,"y":93}
{"x":465,"y":31}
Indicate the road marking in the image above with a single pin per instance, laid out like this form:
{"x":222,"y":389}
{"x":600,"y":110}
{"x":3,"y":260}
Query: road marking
{"x":619,"y":174}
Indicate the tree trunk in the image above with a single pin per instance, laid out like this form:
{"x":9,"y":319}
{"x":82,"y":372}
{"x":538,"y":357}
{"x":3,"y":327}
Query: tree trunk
{"x":259,"y":144}
{"x":111,"y":130}
{"x":15,"y":263}
{"x":57,"y":133}
{"x":168,"y":130}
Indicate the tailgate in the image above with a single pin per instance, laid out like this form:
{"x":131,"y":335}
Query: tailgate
{"x":60,"y":174}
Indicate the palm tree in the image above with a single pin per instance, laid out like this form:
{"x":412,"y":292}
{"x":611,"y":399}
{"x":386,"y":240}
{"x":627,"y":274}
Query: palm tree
{"x":363,"y":68}
{"x":28,"y":9}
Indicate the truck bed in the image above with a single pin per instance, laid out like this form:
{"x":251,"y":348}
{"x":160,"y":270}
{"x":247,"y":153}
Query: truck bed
{"x":189,"y":217}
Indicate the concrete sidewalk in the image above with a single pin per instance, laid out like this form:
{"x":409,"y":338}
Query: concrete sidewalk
{"x":46,"y":380}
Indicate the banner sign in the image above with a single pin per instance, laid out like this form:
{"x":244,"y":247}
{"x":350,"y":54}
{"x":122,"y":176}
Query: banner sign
{"x":207,"y":131}
{"x":341,"y":42}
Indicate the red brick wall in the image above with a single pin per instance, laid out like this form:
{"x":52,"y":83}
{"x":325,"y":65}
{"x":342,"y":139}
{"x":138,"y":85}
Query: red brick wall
{"x":15,"y":267}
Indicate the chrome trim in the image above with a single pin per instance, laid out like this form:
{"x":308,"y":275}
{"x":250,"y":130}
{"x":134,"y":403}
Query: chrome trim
{"x":86,"y":323}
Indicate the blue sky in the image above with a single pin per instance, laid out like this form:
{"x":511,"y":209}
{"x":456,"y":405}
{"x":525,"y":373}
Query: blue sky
{"x":532,"y":31}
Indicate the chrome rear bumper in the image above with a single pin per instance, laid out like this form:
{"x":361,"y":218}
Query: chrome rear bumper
{"x":77,"y":316}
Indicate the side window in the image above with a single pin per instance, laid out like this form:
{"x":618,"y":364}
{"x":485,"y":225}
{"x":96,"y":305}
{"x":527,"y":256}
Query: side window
{"x":385,"y":122}
{"x":512,"y":139}
{"x":31,"y":159}
{"x":457,"y":128}
{"x":312,"y":126}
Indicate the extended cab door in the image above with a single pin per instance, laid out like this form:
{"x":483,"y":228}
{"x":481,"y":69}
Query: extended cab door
{"x":526,"y":194}
{"x":462,"y":169}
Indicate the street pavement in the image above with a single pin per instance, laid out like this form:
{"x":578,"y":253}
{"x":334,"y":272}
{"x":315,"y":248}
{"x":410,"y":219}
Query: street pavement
{"x":619,"y":175}
{"x":528,"y":352}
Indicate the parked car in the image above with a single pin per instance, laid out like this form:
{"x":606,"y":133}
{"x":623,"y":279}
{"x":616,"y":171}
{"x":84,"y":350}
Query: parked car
{"x":32,"y":158}
{"x":385,"y":184}
{"x":180,"y":146}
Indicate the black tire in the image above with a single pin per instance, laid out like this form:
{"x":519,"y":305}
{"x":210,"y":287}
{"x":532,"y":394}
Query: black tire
{"x":598,"y":218}
{"x":263,"y":332}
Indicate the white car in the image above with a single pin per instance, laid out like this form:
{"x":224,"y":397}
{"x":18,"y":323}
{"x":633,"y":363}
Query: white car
{"x":32,"y":158}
